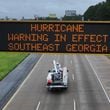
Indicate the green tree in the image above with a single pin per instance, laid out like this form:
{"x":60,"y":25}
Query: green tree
{"x":90,"y":13}
{"x":107,"y":0}
{"x":100,"y":11}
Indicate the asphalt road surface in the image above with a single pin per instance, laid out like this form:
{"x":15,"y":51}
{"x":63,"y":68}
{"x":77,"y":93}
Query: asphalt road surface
{"x":84,"y":93}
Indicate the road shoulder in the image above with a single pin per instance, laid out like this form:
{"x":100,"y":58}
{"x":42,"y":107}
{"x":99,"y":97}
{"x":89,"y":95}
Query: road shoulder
{"x":101,"y":65}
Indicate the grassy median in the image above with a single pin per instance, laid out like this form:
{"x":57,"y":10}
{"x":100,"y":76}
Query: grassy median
{"x":8,"y":61}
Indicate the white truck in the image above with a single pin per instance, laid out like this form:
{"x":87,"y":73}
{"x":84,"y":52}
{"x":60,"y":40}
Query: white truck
{"x":57,"y":77}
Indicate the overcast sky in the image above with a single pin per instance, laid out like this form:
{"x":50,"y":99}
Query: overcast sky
{"x":29,"y":8}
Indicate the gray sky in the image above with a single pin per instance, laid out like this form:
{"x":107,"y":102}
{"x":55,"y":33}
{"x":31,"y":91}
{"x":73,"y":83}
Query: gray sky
{"x":29,"y":8}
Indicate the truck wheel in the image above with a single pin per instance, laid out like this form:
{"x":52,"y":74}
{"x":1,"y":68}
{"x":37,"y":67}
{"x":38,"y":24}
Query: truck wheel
{"x":49,"y":89}
{"x":66,"y":88}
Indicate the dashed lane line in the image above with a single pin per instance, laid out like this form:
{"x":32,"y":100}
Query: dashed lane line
{"x":37,"y":108}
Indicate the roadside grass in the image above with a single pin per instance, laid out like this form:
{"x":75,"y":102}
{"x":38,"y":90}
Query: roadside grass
{"x":108,"y":56}
{"x":8,"y":61}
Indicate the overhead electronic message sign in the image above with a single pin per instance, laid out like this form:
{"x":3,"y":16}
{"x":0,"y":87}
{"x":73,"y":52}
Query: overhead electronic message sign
{"x":55,"y":37}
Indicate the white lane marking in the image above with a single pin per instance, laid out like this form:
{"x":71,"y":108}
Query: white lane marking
{"x":71,"y":62}
{"x":22,"y":83}
{"x":98,"y":79}
{"x":73,"y":77}
{"x":37,"y":108}
{"x":74,"y":104}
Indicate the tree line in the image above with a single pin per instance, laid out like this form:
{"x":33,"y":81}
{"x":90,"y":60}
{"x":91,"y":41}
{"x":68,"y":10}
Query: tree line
{"x":100,"y":11}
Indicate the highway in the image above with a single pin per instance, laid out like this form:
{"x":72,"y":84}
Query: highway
{"x":85,"y":91}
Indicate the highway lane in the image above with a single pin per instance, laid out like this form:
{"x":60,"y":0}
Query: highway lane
{"x":89,"y":92}
{"x":84,"y":92}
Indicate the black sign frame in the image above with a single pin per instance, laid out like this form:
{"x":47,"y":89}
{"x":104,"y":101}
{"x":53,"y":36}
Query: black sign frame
{"x":88,"y":37}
